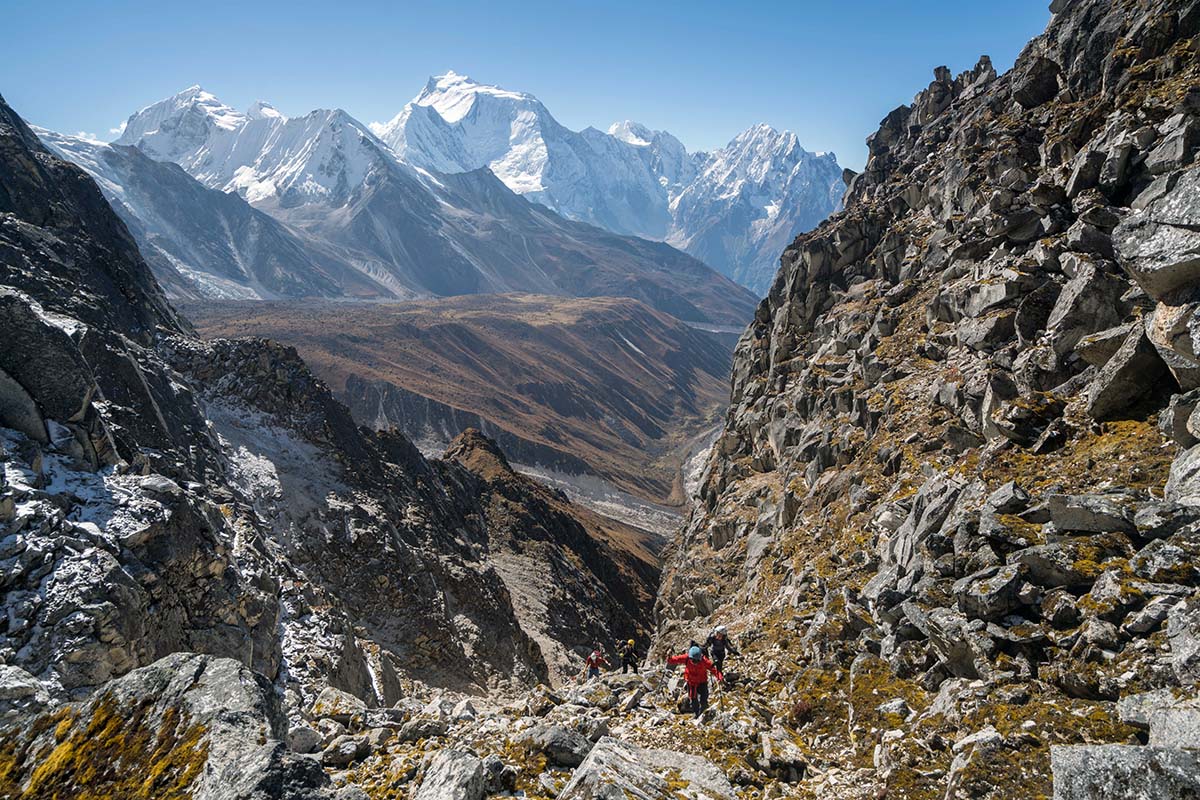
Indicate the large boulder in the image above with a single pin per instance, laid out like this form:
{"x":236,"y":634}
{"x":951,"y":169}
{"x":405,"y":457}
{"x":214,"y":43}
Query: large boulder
{"x":1135,"y":371}
{"x":1183,"y":481}
{"x":453,"y":775}
{"x":1159,"y":246}
{"x":21,"y":695}
{"x":617,"y":770}
{"x":1089,"y":303}
{"x":1091,"y":513}
{"x":337,"y":705}
{"x":1036,"y":82}
{"x":187,"y":725}
{"x":1124,"y":772}
{"x":990,"y":593}
{"x":1183,"y":632}
{"x":562,"y":747}
{"x":1072,"y":563}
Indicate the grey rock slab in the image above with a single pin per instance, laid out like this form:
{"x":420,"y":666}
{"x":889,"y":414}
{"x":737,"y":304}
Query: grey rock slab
{"x":1135,"y":371}
{"x":1089,"y":303}
{"x":617,"y":770}
{"x":234,"y":710}
{"x":345,"y":750}
{"x":1135,"y":709}
{"x":1097,"y":348}
{"x":1183,"y":633}
{"x":1177,"y":726}
{"x":1071,"y":562}
{"x":1159,"y":246}
{"x":1124,"y":772}
{"x":990,"y":593}
{"x":1008,"y":499}
{"x":1091,"y":513}
{"x":563,"y":747}
{"x":1183,"y":480}
{"x":453,"y":775}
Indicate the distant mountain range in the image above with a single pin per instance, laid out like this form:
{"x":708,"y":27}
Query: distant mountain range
{"x":734,"y":208}
{"x":257,"y":205}
{"x":231,"y":204}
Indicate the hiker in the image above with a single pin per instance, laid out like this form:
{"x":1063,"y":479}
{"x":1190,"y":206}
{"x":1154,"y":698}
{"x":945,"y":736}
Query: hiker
{"x":696,"y":668}
{"x":593,"y":663}
{"x":629,"y":658}
{"x":718,"y":644}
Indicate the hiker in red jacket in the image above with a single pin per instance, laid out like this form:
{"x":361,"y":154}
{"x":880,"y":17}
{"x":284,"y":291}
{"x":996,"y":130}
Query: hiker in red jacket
{"x":594,"y":662}
{"x":695,"y":671}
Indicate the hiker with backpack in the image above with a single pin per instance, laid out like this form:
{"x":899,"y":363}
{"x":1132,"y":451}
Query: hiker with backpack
{"x":718,"y":645}
{"x":629,"y":657}
{"x":594,"y":662}
{"x":697,"y":667}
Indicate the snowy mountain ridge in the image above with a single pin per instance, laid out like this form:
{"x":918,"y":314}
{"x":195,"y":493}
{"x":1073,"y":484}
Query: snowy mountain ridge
{"x":730,"y":207}
{"x":318,"y":206}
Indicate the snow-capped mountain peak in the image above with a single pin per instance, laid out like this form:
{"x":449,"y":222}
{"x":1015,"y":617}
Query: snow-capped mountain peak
{"x":453,"y":95}
{"x":261,"y":109}
{"x":729,"y":207}
{"x":630,"y":132}
{"x":323,"y":156}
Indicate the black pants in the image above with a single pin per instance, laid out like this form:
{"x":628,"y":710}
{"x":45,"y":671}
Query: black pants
{"x":627,"y":664}
{"x":719,"y":662}
{"x":699,"y":697}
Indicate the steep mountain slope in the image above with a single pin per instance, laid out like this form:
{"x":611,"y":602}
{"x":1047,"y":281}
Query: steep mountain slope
{"x":160,"y":493}
{"x":734,"y":208}
{"x":202,"y":242}
{"x":603,"y":387}
{"x":953,"y":513}
{"x":407,"y":230}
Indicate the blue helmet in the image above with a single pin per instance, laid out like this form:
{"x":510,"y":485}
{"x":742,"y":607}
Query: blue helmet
{"x":694,"y":653}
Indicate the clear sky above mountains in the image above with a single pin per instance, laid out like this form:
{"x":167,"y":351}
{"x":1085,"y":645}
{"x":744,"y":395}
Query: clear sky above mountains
{"x":703,"y":70}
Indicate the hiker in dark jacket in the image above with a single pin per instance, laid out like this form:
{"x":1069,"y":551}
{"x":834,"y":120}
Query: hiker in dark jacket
{"x":718,"y":644}
{"x":629,"y":657}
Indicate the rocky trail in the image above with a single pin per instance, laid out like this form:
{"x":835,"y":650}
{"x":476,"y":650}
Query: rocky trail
{"x":952,"y":521}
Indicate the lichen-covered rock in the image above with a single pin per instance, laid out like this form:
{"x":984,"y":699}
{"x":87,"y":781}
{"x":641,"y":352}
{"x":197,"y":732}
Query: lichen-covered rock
{"x":186,"y":726}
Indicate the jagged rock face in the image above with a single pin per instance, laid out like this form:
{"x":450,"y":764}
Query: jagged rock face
{"x":160,"y":494}
{"x":575,"y":578}
{"x":1008,"y":296}
{"x":60,"y":235}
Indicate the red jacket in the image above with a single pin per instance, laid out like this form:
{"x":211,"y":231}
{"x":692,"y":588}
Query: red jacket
{"x":695,"y":672}
{"x":596,"y":660}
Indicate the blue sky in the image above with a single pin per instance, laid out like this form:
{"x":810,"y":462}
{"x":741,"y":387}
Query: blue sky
{"x":703,"y":70}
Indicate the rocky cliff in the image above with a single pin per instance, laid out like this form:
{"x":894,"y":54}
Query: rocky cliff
{"x":955,"y":506}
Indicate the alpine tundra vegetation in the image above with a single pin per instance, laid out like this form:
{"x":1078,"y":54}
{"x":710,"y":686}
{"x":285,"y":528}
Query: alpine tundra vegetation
{"x":952,"y":522}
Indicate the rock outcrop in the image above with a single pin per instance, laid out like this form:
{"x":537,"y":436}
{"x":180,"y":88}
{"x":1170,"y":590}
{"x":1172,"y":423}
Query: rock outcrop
{"x":957,"y":469}
{"x":186,"y":726}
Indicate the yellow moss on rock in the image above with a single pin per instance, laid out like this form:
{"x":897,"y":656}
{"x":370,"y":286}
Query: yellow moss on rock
{"x":112,"y":753}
